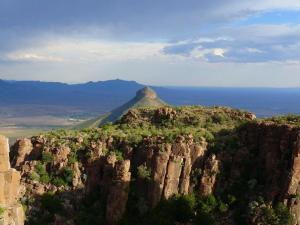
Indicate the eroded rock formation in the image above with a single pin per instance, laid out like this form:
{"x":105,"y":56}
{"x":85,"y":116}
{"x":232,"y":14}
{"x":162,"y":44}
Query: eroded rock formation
{"x":118,"y":193}
{"x":210,"y":172}
{"x":9,"y":189}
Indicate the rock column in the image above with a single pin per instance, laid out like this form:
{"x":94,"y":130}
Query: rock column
{"x":11,"y":212}
{"x":118,"y":193}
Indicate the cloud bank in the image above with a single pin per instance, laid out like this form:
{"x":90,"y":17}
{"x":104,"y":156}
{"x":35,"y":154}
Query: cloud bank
{"x":151,"y":40}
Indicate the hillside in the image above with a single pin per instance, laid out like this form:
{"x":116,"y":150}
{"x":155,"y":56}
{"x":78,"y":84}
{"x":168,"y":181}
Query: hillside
{"x":145,"y":97}
{"x":163,"y":166}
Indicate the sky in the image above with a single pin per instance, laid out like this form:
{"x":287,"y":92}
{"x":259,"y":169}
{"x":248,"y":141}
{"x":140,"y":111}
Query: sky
{"x":236,"y":43}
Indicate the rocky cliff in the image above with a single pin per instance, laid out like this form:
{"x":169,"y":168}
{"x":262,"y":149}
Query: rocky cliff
{"x":272,"y":151}
{"x":164,"y":166}
{"x":11,"y":212}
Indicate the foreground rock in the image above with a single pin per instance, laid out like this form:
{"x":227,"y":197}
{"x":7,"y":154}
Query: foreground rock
{"x":12,"y":211}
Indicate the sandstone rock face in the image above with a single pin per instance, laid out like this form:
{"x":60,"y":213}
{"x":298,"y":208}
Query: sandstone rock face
{"x":160,"y":163}
{"x":9,"y":189}
{"x":118,"y":193}
{"x":24,"y":147}
{"x":171,"y":167}
{"x":208,"y":180}
{"x":4,"y":154}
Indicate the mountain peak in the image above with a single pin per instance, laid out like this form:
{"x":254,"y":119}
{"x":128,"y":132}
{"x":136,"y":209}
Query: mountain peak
{"x":146,"y":92}
{"x":145,"y":97}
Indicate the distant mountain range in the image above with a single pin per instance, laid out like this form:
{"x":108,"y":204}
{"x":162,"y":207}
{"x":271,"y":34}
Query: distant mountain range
{"x":88,"y":98}
{"x":35,"y":98}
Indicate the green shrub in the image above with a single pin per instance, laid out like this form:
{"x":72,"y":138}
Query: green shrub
{"x":266,"y":215}
{"x":40,"y":170}
{"x":176,"y":209}
{"x":283,"y":214}
{"x":208,"y":203}
{"x":68,"y":175}
{"x":58,"y":181}
{"x":119,"y":155}
{"x":34,"y":176}
{"x":47,"y":157}
{"x":144,"y":172}
{"x":64,"y":178}
{"x":72,"y":158}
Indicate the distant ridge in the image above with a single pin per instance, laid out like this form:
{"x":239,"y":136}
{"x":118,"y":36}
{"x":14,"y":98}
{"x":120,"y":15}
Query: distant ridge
{"x":145,"y":97}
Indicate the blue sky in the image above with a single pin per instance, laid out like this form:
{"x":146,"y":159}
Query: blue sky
{"x":170,"y":42}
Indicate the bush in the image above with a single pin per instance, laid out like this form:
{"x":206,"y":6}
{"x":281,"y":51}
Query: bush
{"x":266,"y":215}
{"x":47,"y":157}
{"x":283,"y":214}
{"x":208,"y":204}
{"x":58,"y":182}
{"x":72,"y":158}
{"x":40,"y":170}
{"x":65,"y":178}
{"x":143,"y":172}
{"x":176,"y":209}
{"x":119,"y":155}
{"x":68,"y":175}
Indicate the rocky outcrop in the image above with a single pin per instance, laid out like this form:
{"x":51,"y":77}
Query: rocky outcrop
{"x":164,"y":114}
{"x":118,"y":193}
{"x":24,"y":148}
{"x":170,"y":165}
{"x":9,"y":189}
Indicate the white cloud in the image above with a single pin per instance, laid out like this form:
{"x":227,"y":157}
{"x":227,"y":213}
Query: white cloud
{"x":31,"y":57}
{"x":70,"y":50}
{"x":219,"y":52}
{"x":254,"y":50}
{"x":247,"y":44}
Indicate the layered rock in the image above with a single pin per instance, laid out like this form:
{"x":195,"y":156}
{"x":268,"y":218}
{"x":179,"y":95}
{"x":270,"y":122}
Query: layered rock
{"x":9,"y":189}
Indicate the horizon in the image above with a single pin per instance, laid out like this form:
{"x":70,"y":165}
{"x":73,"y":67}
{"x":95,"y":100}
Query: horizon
{"x":164,"y":43}
{"x":151,"y":85}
